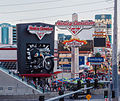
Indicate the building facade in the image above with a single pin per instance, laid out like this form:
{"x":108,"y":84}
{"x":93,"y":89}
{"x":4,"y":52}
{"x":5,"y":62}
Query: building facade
{"x":107,"y":20}
{"x":7,"y":33}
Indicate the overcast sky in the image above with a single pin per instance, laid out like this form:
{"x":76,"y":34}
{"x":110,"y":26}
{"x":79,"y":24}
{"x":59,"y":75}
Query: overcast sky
{"x":49,"y":11}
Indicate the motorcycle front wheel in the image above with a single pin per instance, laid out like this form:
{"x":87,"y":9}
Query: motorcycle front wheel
{"x":49,"y":64}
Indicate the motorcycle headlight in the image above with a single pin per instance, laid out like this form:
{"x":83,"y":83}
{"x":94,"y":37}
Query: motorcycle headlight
{"x":40,"y":54}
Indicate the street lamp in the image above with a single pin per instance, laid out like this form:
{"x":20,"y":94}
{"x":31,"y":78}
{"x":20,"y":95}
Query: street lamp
{"x":109,"y":88}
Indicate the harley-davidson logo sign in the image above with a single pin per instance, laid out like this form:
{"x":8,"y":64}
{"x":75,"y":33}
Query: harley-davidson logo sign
{"x":40,"y":31}
{"x":74,"y":27}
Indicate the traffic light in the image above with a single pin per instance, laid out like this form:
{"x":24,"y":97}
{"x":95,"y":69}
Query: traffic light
{"x":75,"y":96}
{"x":78,"y":84}
{"x":105,"y":94}
{"x":88,"y":85}
{"x":41,"y":98}
{"x":61,"y":92}
{"x":113,"y":94}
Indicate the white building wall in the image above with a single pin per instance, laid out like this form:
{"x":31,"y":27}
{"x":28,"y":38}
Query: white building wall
{"x":10,"y":35}
{"x":0,"y":36}
{"x":56,"y":56}
{"x":8,"y":54}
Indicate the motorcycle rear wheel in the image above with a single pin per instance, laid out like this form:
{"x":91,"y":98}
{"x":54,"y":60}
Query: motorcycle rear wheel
{"x":49,"y":64}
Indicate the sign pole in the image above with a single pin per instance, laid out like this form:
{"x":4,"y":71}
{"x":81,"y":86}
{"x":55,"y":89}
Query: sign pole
{"x":95,"y":71}
{"x":72,"y":63}
{"x":75,"y":54}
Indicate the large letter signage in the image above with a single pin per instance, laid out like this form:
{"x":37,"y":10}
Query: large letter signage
{"x":74,"y":27}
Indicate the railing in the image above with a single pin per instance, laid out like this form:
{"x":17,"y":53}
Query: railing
{"x":104,"y":81}
{"x":68,"y":94}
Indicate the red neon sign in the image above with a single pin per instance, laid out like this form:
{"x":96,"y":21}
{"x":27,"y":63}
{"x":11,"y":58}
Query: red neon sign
{"x":75,"y":23}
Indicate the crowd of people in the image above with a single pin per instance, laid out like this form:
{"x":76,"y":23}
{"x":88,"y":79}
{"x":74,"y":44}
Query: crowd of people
{"x":54,"y":84}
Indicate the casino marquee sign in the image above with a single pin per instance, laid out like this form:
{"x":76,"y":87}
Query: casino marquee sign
{"x":74,"y":42}
{"x":75,"y":27}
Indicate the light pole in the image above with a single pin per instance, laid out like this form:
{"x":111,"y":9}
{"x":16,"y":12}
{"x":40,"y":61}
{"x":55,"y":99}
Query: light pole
{"x":109,"y":88}
{"x":114,"y":56}
{"x":108,"y":66}
{"x":62,"y":76}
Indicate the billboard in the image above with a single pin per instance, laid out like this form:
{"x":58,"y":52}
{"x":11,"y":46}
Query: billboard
{"x":104,"y":18}
{"x":99,"y":42}
{"x":34,"y":41}
{"x":107,"y":20}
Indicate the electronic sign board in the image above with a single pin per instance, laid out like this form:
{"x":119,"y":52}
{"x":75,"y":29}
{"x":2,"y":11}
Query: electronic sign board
{"x":99,"y":42}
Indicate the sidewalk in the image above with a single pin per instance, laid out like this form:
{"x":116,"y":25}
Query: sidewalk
{"x":89,"y":100}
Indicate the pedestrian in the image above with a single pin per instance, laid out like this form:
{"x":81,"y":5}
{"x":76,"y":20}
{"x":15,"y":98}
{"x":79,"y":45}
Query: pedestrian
{"x":46,"y":87}
{"x":59,"y":88}
{"x":22,"y":78}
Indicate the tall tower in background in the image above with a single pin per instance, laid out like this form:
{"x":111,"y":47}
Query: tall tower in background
{"x":74,"y":17}
{"x":7,"y":34}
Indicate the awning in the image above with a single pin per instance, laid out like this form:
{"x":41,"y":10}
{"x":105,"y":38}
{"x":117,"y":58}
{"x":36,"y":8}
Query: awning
{"x":41,"y":74}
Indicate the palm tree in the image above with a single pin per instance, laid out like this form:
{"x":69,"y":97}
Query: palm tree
{"x":96,"y":55}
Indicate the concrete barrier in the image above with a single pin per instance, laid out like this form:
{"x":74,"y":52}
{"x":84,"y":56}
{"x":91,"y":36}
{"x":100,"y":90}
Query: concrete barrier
{"x":98,"y":91}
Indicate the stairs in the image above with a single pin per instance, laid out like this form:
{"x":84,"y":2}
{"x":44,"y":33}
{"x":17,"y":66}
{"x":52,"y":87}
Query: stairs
{"x":12,"y":84}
